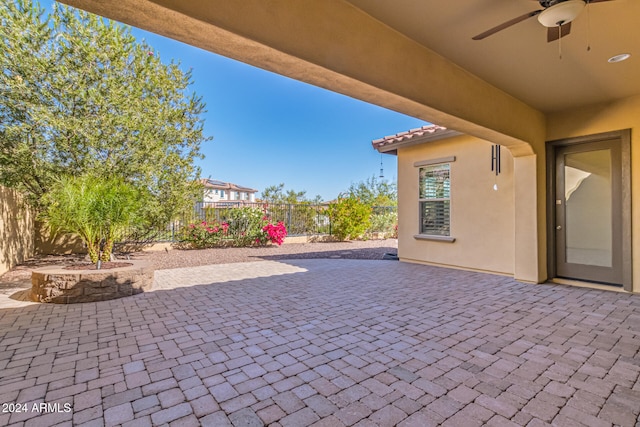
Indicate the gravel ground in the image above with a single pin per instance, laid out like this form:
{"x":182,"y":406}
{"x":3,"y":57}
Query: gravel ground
{"x":20,"y":276}
{"x":370,"y":249}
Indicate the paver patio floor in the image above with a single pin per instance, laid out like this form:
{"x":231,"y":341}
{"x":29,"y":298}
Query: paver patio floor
{"x":326,"y":342}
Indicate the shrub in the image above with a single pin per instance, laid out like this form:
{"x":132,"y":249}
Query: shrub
{"x":275,"y":233}
{"x":96,"y":209}
{"x":245,"y":225}
{"x":384,"y":223}
{"x":241,"y":227}
{"x":350,"y":218}
{"x":205,"y":234}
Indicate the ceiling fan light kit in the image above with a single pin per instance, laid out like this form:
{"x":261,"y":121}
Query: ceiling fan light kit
{"x":619,"y":58}
{"x":561,"y":13}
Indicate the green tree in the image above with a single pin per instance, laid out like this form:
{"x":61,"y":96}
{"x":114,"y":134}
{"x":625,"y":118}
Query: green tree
{"x":277,"y":194}
{"x":96,"y":209}
{"x":375,"y":192}
{"x":79,"y":95}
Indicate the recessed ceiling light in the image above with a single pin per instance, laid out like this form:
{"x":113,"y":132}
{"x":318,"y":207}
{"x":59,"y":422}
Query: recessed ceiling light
{"x":619,"y":58}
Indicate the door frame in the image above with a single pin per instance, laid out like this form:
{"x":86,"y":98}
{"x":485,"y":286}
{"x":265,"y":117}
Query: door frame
{"x":625,"y":149}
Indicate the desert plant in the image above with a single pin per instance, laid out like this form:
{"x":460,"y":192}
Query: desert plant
{"x":98,"y":210}
{"x":350,"y":218}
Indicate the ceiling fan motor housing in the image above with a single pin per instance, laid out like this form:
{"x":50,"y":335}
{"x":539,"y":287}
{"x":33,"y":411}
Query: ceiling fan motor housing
{"x":560,"y":13}
{"x":549,"y":3}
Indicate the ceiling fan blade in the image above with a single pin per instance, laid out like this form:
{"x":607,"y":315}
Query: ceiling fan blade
{"x":553,"y":33}
{"x":506,"y":25}
{"x":586,"y":1}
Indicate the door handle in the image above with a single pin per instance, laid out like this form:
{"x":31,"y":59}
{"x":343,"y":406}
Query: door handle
{"x":558,"y":227}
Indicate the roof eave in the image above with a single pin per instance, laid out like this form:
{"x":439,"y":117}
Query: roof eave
{"x":392,"y":148}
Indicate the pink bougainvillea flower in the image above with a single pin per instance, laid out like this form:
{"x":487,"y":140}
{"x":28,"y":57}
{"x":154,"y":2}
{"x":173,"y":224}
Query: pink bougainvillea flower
{"x":276,"y":233}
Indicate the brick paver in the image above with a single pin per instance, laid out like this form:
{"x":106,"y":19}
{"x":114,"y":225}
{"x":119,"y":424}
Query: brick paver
{"x":325,"y":342}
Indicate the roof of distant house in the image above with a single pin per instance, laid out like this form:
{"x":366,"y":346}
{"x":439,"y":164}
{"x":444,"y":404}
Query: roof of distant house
{"x":390,"y":144}
{"x":221,"y":185}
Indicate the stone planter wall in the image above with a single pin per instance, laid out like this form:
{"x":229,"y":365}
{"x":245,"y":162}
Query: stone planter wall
{"x":57,"y":285}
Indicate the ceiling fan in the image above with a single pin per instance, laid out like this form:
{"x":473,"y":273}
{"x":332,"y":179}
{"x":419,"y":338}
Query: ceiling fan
{"x":556,"y":15}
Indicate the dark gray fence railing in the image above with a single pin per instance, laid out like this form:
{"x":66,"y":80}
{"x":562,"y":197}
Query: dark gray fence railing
{"x":299,"y":219}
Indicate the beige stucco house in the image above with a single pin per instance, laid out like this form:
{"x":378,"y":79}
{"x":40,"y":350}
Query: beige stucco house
{"x":453,"y":209}
{"x":560,"y":110}
{"x":456,"y":203}
{"x":215,"y":191}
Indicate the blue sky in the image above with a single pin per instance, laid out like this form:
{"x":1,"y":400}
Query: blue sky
{"x":269,"y":129}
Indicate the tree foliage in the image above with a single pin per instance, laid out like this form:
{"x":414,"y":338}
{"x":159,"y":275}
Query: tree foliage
{"x":375,"y":192}
{"x":277,"y":194}
{"x":79,"y":95}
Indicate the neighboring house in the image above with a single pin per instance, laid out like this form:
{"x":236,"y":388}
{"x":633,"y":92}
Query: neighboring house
{"x":219,"y":192}
{"x":566,"y":113}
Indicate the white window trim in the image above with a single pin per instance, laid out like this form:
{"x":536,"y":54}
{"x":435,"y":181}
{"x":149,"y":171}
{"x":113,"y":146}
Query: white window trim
{"x":433,"y":237}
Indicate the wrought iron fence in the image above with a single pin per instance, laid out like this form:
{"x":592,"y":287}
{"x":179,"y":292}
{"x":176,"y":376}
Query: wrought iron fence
{"x":299,"y":219}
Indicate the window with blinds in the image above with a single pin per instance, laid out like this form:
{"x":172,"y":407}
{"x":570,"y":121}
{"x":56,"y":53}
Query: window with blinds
{"x":434,"y":198}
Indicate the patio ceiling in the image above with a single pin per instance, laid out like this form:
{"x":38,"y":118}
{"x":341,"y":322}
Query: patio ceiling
{"x":416,"y":56}
{"x":519,"y":60}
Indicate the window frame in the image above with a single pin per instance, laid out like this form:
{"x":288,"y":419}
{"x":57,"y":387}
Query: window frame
{"x":423,"y":164}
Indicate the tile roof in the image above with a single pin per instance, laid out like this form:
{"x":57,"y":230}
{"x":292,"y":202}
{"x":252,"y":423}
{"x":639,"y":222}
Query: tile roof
{"x":221,"y":185}
{"x":390,"y":144}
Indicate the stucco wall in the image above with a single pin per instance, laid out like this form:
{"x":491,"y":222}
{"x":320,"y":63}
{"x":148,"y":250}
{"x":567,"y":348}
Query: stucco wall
{"x":46,"y":242}
{"x":624,"y":114}
{"x":482,"y":219}
{"x":16,"y":230}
